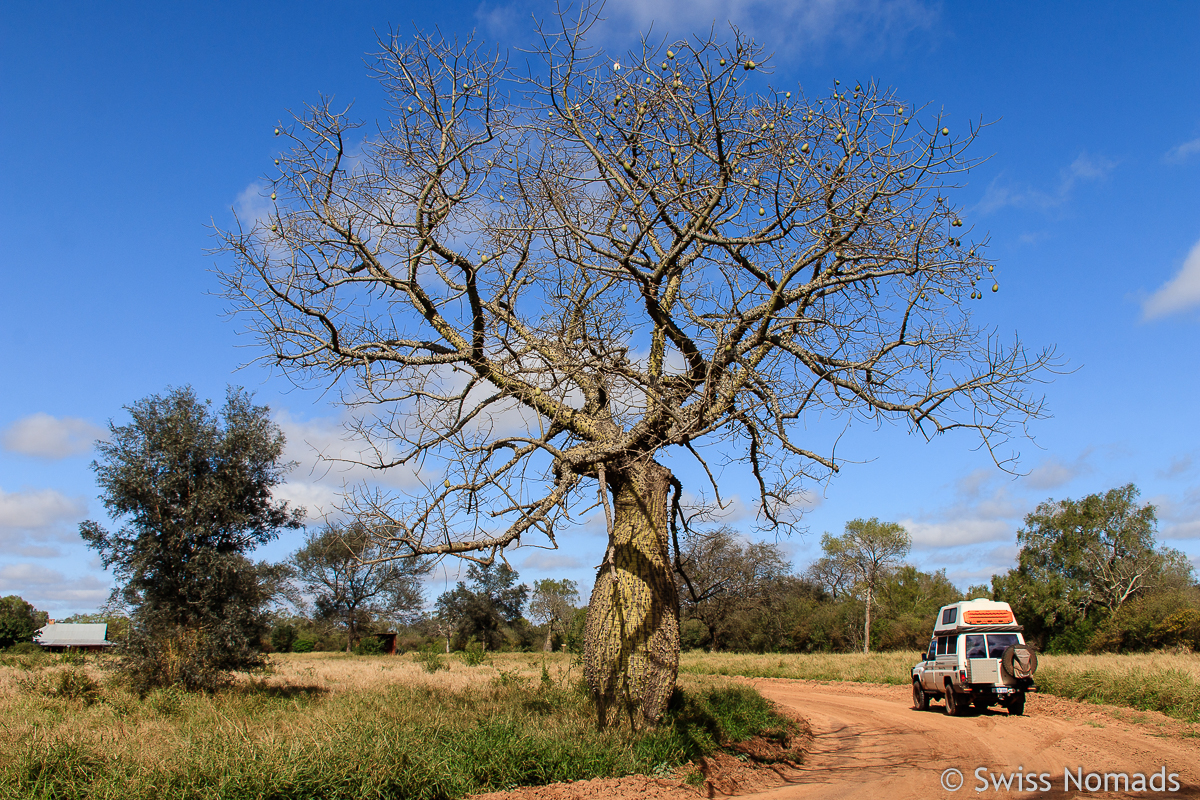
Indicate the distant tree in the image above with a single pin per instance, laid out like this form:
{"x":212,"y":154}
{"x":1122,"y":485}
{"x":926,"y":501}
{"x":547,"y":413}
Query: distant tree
{"x":722,"y":575}
{"x":1081,"y":561}
{"x":866,"y":551}
{"x":491,"y":603}
{"x":192,"y":489}
{"x":346,"y":572}
{"x":553,"y":605}
{"x":909,"y":600}
{"x":19,"y":620}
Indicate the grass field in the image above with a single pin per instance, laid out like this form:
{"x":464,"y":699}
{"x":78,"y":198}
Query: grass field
{"x":1169,"y":683}
{"x":334,"y":726}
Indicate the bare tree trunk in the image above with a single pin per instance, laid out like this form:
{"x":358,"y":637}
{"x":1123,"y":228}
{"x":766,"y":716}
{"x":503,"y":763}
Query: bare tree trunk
{"x":631,"y":646}
{"x":549,"y":645}
{"x":867,"y":631}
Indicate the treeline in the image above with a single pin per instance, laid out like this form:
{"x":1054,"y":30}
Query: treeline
{"x":1090,"y":577}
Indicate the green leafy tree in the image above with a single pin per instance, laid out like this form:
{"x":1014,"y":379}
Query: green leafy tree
{"x":554,"y":276}
{"x":553,"y":605}
{"x":345,"y":570}
{"x":909,"y":600}
{"x":19,"y":620}
{"x":1081,"y":561}
{"x":484,"y":610}
{"x":722,"y":577}
{"x":192,"y":491}
{"x":865,"y":554}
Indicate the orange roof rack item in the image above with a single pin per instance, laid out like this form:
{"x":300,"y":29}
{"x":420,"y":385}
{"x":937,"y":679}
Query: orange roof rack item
{"x":996,"y":616}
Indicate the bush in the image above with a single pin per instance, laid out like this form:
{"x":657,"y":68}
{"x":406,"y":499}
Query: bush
{"x":23,"y":649}
{"x":188,"y":659}
{"x":369,"y":646}
{"x":282,"y":638}
{"x":430,"y":660}
{"x":473,"y":654}
{"x":303,"y":646}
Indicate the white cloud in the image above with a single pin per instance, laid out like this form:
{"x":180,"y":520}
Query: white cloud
{"x":1053,"y":473}
{"x":1181,"y":153}
{"x":1178,"y":294}
{"x":550,"y":561}
{"x":782,"y":24}
{"x":45,"y":436}
{"x":1085,"y":167}
{"x":956,"y":532}
{"x":38,"y":510}
{"x":253,"y":205}
{"x":50,"y":590}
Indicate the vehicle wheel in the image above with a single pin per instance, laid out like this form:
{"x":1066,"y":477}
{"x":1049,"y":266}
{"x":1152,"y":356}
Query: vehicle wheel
{"x":1017,"y":707}
{"x":920,"y":699}
{"x":956,"y":704}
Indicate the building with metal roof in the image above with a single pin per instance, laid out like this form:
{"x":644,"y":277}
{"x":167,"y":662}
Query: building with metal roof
{"x":59,"y":636}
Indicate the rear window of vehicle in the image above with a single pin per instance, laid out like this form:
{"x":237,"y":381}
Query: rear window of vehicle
{"x":975,"y":646}
{"x":997,"y":643}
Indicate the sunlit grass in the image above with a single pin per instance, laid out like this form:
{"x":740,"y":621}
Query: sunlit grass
{"x":332,"y":726}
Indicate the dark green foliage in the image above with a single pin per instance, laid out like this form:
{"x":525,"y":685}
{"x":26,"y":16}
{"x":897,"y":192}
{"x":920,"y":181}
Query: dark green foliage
{"x":431,"y":660}
{"x":1081,"y":563}
{"x":341,"y":567}
{"x":282,"y":638}
{"x":369,"y":646}
{"x":488,"y":610}
{"x":18,"y":621}
{"x":192,"y":489}
{"x":302,"y":646}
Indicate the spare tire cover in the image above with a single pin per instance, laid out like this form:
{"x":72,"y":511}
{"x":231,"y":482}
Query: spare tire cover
{"x":1019,"y":661}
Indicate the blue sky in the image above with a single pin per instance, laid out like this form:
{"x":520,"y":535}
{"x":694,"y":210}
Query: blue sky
{"x":127,"y":130}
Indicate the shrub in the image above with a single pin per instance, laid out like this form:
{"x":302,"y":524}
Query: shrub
{"x":23,"y":649}
{"x":430,"y":660}
{"x":303,"y":646}
{"x":474,"y":654}
{"x":369,"y":646}
{"x":283,"y":637}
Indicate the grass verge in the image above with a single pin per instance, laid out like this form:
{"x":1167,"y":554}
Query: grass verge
{"x":365,"y":727}
{"x":1164,"y":682}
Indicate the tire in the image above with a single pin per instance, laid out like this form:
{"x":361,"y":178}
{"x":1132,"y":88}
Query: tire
{"x":1019,"y":662}
{"x":956,"y":703}
{"x":920,"y":699}
{"x":1016,"y":708}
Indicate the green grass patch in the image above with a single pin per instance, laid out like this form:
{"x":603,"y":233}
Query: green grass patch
{"x":396,"y":741}
{"x":1170,"y":691}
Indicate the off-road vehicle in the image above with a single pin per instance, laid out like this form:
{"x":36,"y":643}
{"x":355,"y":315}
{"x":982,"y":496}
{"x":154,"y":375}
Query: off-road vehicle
{"x":977,"y":657}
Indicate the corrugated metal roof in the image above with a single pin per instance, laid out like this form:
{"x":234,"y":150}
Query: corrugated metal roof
{"x":73,"y":634}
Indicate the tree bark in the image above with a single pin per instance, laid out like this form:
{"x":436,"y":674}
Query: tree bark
{"x":631,"y":645}
{"x":867,"y":631}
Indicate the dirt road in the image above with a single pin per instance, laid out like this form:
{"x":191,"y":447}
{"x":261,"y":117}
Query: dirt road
{"x":868,"y":742}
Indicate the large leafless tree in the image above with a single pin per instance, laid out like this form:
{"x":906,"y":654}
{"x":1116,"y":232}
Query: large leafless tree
{"x":533,"y":282}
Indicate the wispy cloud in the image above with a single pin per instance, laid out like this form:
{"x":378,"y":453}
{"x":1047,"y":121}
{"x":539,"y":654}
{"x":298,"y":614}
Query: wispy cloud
{"x":1084,"y":168}
{"x":786,"y":27}
{"x":1183,"y":152}
{"x":50,"y":590}
{"x":1180,"y":293}
{"x":50,"y":437}
{"x":1053,"y":473}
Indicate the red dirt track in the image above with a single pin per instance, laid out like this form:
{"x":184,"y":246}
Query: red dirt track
{"x":868,"y":742}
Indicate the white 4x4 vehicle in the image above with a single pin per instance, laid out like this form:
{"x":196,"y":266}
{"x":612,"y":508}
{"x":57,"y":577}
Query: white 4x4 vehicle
{"x":977,"y":657}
